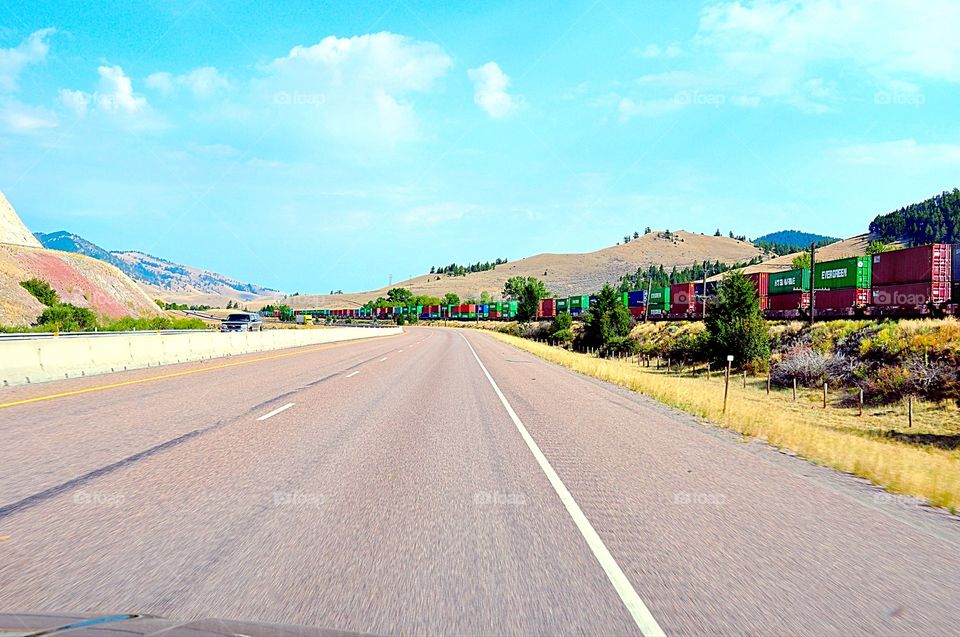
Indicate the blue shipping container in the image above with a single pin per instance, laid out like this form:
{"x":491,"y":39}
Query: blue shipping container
{"x":637,"y":298}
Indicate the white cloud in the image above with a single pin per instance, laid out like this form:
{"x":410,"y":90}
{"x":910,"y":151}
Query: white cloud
{"x":899,"y":153}
{"x":490,"y":85}
{"x":21,"y":118}
{"x":436,"y":213}
{"x":31,"y":51}
{"x":203,"y":82}
{"x":116,"y":91}
{"x":883,"y":37}
{"x":114,"y":95}
{"x":76,"y":101}
{"x":359,"y":87}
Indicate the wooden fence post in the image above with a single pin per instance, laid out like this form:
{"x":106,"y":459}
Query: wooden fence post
{"x":794,"y":389}
{"x":824,"y":395}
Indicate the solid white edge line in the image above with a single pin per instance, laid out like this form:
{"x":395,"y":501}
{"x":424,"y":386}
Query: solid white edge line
{"x":276,"y":411}
{"x":637,"y":609}
{"x":352,"y":374}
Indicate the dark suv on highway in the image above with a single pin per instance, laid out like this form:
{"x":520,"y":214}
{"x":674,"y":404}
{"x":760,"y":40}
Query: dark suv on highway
{"x":245,"y":322}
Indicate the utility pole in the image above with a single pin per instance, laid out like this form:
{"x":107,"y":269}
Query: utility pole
{"x":813,"y":281}
{"x":646,"y":307}
{"x":704,"y":301}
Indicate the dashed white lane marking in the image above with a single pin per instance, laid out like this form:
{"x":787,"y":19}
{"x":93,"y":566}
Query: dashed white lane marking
{"x":276,"y":411}
{"x":385,"y":358}
{"x":638,"y":610}
{"x":352,"y":374}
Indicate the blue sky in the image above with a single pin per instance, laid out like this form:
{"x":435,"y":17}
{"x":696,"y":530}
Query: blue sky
{"x":309,"y":146}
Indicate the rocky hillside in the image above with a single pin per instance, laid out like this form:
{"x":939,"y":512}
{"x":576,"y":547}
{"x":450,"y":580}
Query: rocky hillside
{"x":12,"y":230}
{"x":161,"y":278}
{"x":564,"y":274}
{"x":78,"y":279}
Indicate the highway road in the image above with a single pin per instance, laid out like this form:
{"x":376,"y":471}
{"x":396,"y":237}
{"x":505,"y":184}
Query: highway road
{"x":443,"y":483}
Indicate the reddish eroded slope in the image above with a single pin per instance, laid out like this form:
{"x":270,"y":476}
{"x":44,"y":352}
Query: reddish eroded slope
{"x":78,"y":279}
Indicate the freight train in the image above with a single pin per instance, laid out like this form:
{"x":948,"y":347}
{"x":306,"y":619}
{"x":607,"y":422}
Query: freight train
{"x":912,"y":282}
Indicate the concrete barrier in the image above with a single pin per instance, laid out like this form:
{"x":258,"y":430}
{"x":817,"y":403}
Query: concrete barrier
{"x":41,"y":360}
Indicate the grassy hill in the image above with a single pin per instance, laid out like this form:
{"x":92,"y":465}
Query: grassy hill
{"x":564,"y":274}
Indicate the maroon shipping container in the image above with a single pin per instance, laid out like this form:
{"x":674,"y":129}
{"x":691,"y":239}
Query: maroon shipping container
{"x":789,"y":301}
{"x":910,"y":294}
{"x":638,"y":312}
{"x":761,"y":283}
{"x":923,"y":264}
{"x":493,"y":314}
{"x":547,"y":308}
{"x":682,"y":294}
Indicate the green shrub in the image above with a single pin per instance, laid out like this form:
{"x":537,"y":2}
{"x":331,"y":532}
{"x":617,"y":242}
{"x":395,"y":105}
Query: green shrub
{"x":41,"y":290}
{"x":64,"y":317}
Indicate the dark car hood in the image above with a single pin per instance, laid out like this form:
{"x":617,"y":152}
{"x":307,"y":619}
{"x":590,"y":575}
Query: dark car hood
{"x":125,"y":625}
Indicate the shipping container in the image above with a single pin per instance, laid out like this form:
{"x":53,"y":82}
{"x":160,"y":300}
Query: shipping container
{"x":682,"y":295}
{"x":711,"y":288}
{"x":638,"y":312}
{"x":842,"y":298}
{"x":547,"y":309}
{"x":910,"y":294}
{"x":592,"y":301}
{"x":660,"y":298}
{"x":637,"y":298}
{"x":494,"y":314}
{"x":788,"y":301}
{"x":789,"y":282}
{"x":574,"y":302}
{"x":761,"y":283}
{"x":955,"y":262}
{"x":923,"y":264}
{"x":841,"y":274}
{"x":563,"y":305}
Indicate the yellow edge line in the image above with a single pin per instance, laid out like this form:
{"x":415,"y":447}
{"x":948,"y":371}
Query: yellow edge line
{"x":187,"y":372}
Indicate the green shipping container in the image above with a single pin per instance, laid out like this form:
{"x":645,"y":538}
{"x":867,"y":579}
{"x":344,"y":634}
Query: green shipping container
{"x":562,"y":306}
{"x":790,"y":281}
{"x":854,"y":272}
{"x":513,"y":308}
{"x":574,"y":302}
{"x":623,"y":299}
{"x":659,"y":298}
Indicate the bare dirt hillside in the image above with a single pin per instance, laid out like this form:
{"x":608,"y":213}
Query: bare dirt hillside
{"x":564,"y":274}
{"x":78,"y":279}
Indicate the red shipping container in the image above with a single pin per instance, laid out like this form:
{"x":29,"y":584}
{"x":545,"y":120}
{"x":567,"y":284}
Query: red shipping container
{"x":471,"y":308}
{"x":547,"y":309}
{"x":790,"y":301}
{"x":923,"y":264}
{"x":910,"y":294}
{"x":682,"y":294}
{"x":761,"y":283}
{"x":638,"y":312}
{"x":493,"y":314}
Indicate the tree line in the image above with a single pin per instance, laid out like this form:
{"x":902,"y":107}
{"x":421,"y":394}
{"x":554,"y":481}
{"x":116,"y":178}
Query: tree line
{"x":455,"y":269}
{"x":936,"y":220}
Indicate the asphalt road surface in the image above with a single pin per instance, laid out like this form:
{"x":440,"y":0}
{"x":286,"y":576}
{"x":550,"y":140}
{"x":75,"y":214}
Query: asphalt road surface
{"x":441,"y":482}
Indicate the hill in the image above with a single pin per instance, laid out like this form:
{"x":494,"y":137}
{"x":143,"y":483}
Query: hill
{"x":77,"y":278}
{"x":564,"y":274}
{"x":936,"y":220}
{"x":12,"y":230}
{"x":794,"y":239}
{"x":170,"y":281}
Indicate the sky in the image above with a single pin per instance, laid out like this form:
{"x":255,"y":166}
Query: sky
{"x":310,"y":146}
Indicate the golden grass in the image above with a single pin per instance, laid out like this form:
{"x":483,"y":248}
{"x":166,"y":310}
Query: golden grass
{"x":829,"y":438}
